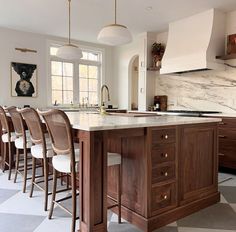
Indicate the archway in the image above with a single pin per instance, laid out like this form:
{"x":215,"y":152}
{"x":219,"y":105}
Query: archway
{"x":133,"y":82}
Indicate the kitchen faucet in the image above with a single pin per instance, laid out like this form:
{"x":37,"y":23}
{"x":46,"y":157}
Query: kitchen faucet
{"x":102,"y":104}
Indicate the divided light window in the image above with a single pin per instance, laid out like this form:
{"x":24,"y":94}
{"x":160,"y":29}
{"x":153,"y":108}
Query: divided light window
{"x":75,"y":82}
{"x":62,"y":82}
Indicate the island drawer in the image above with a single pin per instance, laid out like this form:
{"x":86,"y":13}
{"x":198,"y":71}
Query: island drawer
{"x":228,"y":123}
{"x":163,"y":153}
{"x":227,"y":148}
{"x":160,"y":136}
{"x":225,"y":134}
{"x":163,"y":172}
{"x":163,"y":198}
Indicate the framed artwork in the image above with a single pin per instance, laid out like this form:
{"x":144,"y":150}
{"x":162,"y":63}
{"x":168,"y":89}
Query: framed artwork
{"x":24,"y":80}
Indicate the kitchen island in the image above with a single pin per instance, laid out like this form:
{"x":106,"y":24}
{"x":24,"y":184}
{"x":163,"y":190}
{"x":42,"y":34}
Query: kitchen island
{"x":169,"y":167}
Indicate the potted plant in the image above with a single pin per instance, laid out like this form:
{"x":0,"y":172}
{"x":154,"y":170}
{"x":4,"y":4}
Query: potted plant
{"x":158,"y":50}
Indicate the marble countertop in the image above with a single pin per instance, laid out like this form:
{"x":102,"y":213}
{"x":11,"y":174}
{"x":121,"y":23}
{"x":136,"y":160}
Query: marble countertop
{"x":96,"y":122}
{"x":232,"y":115}
{"x":228,"y":115}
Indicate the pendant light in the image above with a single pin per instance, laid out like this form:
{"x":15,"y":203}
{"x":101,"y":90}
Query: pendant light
{"x":69,"y":51}
{"x":115,"y":34}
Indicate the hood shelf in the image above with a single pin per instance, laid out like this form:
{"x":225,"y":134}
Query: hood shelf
{"x":226,"y":57}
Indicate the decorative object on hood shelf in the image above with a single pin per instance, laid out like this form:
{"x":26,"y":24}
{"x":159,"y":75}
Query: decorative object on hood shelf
{"x":115,"y":34}
{"x":69,"y":51}
{"x":158,"y":50}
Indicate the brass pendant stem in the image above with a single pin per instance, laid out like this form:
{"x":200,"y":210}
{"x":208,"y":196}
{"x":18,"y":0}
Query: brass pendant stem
{"x":69,"y":21}
{"x":115,"y":11}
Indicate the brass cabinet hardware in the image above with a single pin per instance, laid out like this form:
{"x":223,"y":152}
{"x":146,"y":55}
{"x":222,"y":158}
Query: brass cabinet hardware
{"x":25,"y":50}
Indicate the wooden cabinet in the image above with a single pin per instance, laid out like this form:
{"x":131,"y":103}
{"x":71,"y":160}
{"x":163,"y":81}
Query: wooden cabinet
{"x":227,"y":143}
{"x":168,"y":172}
{"x":197,"y":162}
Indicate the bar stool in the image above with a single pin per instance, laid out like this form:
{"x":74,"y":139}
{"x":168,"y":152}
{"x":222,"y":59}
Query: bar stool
{"x":40,"y":150}
{"x":7,"y":138}
{"x":22,"y":142}
{"x":67,"y":157}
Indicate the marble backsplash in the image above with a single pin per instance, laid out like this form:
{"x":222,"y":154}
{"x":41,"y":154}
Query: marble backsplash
{"x":206,"y":90}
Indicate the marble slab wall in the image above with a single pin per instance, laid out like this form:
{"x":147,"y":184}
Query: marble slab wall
{"x":205,"y":90}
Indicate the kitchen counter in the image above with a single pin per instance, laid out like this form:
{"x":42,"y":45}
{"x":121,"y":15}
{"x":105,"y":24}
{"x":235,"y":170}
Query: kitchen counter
{"x":96,"y":122}
{"x":158,"y":153}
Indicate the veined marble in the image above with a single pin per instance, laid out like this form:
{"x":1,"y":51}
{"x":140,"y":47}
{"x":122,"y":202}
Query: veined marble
{"x":97,"y":122}
{"x":206,"y":90}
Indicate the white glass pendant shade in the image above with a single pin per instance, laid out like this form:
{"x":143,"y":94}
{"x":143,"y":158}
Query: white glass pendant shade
{"x":115,"y":35}
{"x":69,"y":52}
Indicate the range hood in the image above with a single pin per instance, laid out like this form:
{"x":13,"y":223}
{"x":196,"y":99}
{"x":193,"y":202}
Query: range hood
{"x":194,"y":42}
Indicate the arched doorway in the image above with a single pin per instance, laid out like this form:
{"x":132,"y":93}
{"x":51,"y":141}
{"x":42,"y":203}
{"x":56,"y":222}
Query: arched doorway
{"x":133,"y":82}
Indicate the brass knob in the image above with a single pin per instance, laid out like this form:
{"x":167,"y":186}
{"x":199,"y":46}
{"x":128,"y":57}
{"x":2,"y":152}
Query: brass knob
{"x":164,"y":173}
{"x":164,"y":155}
{"x":165,"y":197}
{"x":166,"y":136}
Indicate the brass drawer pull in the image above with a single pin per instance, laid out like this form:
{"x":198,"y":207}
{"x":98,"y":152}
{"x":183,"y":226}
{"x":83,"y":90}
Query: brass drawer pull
{"x":221,"y":154}
{"x":164,"y":155}
{"x":222,"y":136}
{"x":164,"y":173}
{"x":165,"y":136}
{"x":164,"y":197}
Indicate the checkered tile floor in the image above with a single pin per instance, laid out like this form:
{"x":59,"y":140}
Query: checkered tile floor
{"x":20,"y":213}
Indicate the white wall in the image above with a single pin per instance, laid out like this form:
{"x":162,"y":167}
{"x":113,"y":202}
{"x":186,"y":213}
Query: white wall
{"x":122,"y":57}
{"x":10,"y":39}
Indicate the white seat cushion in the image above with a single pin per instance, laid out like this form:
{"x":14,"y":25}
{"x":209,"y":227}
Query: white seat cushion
{"x":37,"y":150}
{"x":19,"y":143}
{"x":113,"y":159}
{"x":62,"y":162}
{"x":12,"y":137}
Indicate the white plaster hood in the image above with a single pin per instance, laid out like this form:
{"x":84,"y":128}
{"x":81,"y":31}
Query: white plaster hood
{"x":194,"y":42}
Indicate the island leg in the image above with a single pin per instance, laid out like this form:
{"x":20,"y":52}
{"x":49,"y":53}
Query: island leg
{"x":93,"y":181}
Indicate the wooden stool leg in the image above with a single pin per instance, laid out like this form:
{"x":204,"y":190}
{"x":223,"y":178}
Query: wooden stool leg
{"x":17,"y":164}
{"x":45,"y":163}
{"x":10,"y":155}
{"x":4,"y":156}
{"x":25,"y":170}
{"x":119,"y":192}
{"x":73,"y":185}
{"x":67,"y":181}
{"x":54,"y":189}
{"x":33,"y":176}
{"x":61,"y":179}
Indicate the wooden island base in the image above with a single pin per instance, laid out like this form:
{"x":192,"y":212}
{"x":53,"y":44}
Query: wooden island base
{"x":168,"y":172}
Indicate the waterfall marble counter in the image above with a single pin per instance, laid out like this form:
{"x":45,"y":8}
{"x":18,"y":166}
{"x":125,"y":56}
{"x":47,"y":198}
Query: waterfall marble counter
{"x":96,"y":122}
{"x":169,"y":167}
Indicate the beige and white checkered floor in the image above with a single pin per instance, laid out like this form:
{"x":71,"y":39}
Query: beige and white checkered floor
{"x":20,"y":213}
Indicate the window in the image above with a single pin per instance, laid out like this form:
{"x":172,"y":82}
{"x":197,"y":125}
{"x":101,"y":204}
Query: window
{"x":76,"y":82}
{"x":88,"y":83}
{"x":62,"y":82}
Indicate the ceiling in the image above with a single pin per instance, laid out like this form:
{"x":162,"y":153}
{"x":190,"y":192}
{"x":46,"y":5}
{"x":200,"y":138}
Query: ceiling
{"x":88,"y":16}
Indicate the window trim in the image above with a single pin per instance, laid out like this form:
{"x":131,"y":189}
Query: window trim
{"x":100,"y":64}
